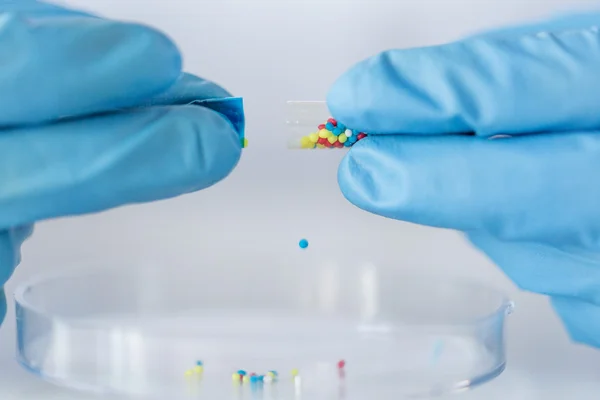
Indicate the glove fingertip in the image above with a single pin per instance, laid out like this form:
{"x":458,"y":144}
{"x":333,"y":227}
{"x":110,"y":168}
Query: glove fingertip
{"x":218,"y":146}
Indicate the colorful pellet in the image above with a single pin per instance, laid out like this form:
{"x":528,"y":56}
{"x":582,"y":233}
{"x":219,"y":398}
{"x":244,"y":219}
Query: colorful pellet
{"x":331,"y":135}
{"x":254,"y":378}
{"x":198,"y":369}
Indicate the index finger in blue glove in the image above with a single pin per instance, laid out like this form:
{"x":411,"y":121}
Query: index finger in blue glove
{"x":88,"y":165}
{"x":521,"y":83}
{"x":68,"y":64}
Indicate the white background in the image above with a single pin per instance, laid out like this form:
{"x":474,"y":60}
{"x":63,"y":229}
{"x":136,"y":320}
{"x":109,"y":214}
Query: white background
{"x":270,"y":51}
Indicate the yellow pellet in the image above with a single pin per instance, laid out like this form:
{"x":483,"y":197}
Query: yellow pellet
{"x":305,"y":142}
{"x":320,"y":146}
{"x":295,"y":372}
{"x":189,"y":372}
{"x":313,"y":137}
{"x":332,"y":139}
{"x":342,"y":138}
{"x":246,"y":379}
{"x":235,"y":377}
{"x":324,"y":133}
{"x":198,"y":369}
{"x":245,"y":144}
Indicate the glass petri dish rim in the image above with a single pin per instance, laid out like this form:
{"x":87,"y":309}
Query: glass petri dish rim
{"x":505,"y":305}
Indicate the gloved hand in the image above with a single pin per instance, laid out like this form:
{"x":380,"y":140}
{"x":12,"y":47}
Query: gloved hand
{"x":129,"y":136}
{"x":530,"y":202}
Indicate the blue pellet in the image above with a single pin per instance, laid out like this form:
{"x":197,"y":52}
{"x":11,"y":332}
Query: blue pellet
{"x":303,"y":243}
{"x":242,"y":372}
{"x":329,"y":126}
{"x":337,"y":131}
{"x":342,"y":127}
{"x":348,"y":143}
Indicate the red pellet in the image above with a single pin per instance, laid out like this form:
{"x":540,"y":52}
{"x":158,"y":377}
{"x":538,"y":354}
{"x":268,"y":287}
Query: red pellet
{"x":333,"y":121}
{"x":322,"y":126}
{"x":338,"y":144}
{"x":341,"y":364}
{"x":360,"y":136}
{"x":322,"y":141}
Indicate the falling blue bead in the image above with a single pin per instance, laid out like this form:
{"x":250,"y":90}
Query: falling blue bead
{"x":242,"y":372}
{"x":303,"y":243}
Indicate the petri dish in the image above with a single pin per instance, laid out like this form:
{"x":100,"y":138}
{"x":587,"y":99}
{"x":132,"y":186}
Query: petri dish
{"x":141,"y":333}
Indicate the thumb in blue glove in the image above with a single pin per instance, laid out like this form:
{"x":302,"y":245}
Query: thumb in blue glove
{"x":132,"y":135}
{"x":529,"y":202}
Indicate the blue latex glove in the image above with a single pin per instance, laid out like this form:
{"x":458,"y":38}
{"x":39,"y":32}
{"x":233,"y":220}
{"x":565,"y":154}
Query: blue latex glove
{"x":131,"y":137}
{"x":530,"y":202}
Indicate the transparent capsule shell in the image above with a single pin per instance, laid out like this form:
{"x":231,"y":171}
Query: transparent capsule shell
{"x":311,"y":126}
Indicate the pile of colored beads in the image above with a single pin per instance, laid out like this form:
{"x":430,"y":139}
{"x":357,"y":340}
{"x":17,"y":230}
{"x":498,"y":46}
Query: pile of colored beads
{"x":243,"y":376}
{"x":331,"y":135}
{"x":198,"y":369}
